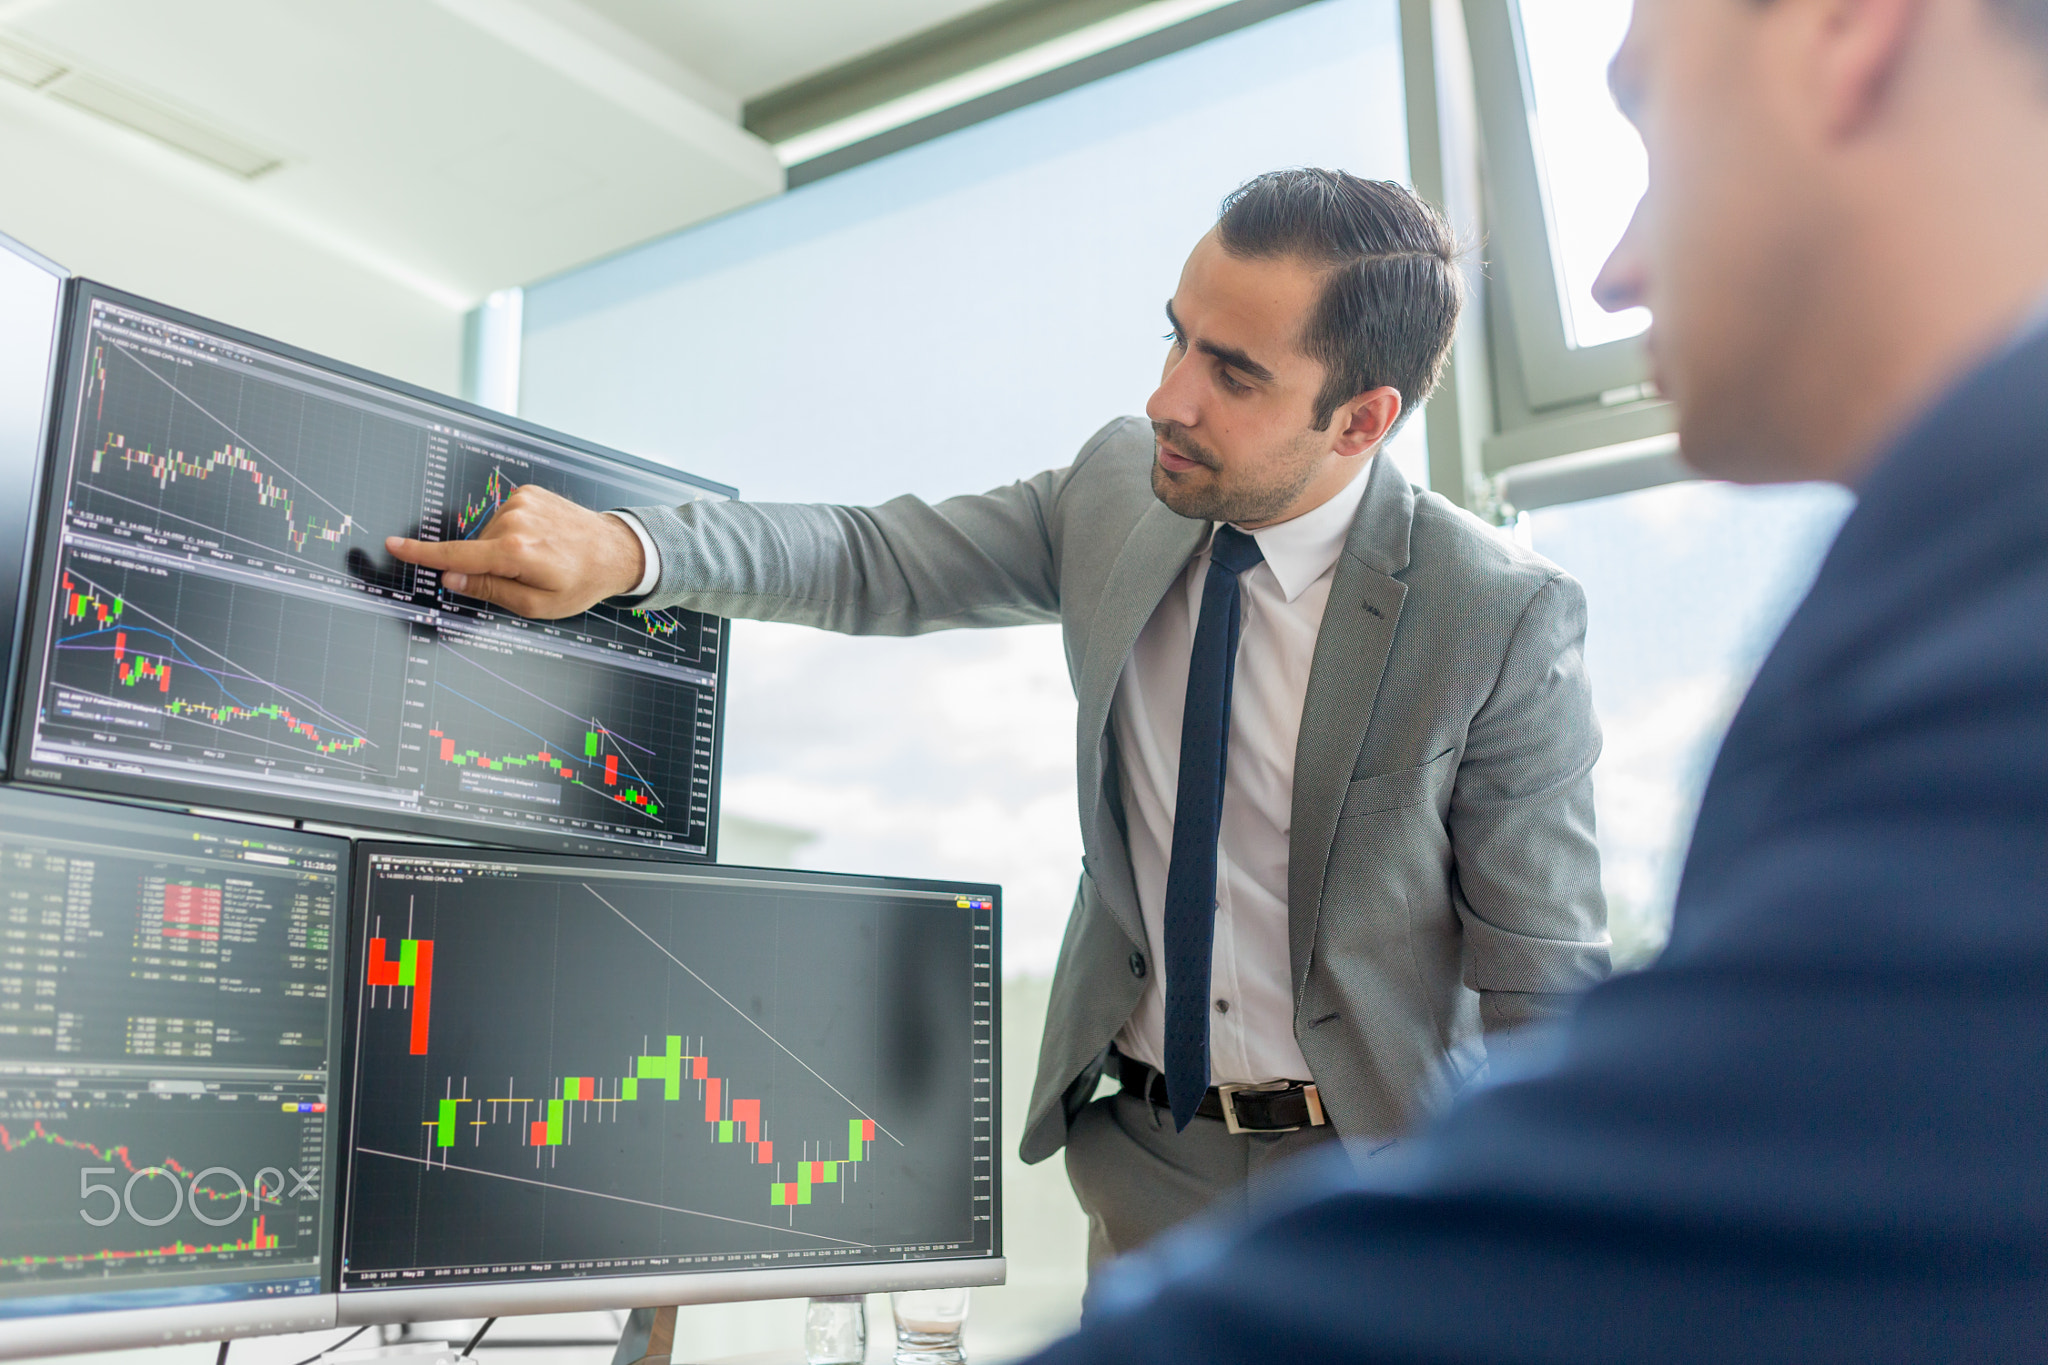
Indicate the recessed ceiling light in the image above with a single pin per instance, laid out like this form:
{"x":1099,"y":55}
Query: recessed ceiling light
{"x":118,"y":104}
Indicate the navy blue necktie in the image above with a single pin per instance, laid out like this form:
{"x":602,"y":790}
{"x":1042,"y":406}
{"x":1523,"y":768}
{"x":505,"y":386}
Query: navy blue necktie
{"x":1198,"y":820}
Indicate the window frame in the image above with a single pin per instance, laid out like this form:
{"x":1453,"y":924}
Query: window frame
{"x":1554,"y":371}
{"x":1522,"y":418}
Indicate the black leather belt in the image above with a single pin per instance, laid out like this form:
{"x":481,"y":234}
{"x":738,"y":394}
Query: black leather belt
{"x":1273,"y":1107}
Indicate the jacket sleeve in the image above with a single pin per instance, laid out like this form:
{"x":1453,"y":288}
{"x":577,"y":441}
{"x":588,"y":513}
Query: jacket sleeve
{"x":902,"y":568}
{"x":1526,"y":868}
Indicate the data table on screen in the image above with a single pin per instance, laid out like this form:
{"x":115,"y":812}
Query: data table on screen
{"x":168,"y":1002}
{"x":592,"y":1070}
{"x":219,"y":614}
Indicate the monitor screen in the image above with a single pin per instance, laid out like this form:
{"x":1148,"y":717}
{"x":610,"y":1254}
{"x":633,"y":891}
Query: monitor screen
{"x":169,"y":993}
{"x":573,"y":1072}
{"x":217,"y":622}
{"x":31,"y":292}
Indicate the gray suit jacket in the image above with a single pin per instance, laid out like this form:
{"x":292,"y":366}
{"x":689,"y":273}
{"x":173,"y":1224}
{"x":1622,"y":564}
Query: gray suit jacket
{"x":1442,"y":878}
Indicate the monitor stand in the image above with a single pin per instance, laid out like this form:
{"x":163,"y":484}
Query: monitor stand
{"x":649,"y":1338}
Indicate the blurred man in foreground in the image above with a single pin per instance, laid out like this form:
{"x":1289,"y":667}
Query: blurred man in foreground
{"x":1818,"y":1129}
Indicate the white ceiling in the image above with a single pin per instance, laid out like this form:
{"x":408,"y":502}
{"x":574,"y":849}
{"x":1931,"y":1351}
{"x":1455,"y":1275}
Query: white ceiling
{"x":436,"y":149}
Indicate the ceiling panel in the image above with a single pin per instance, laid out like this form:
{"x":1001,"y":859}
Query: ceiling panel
{"x":755,"y":47}
{"x":443,"y":148}
{"x":409,"y":128}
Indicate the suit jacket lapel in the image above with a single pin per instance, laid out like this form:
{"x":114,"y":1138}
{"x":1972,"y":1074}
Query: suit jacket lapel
{"x":1151,"y":561}
{"x":1351,"y":655}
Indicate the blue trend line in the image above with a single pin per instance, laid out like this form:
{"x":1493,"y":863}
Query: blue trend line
{"x":73,"y":642}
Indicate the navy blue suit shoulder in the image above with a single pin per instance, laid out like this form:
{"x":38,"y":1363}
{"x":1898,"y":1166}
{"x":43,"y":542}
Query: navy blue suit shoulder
{"x":1817,"y":1129}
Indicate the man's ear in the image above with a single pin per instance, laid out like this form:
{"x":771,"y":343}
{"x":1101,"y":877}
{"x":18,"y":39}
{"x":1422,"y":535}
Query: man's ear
{"x":1861,"y":44}
{"x":1364,"y":422}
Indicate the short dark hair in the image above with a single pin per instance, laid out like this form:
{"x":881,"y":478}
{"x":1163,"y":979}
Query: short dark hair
{"x":1390,"y":301}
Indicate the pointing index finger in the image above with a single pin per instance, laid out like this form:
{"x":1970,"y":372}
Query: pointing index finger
{"x":460,"y":556}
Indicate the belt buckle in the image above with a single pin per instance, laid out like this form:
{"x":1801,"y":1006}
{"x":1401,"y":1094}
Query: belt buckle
{"x":1226,"y":1096}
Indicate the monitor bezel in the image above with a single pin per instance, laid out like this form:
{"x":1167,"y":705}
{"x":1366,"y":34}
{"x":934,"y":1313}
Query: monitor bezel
{"x":162,"y":1325}
{"x":569,"y":1295}
{"x":48,"y":539}
{"x":16,"y":651}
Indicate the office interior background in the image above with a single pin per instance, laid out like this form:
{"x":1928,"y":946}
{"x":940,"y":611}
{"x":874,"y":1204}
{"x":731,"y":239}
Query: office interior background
{"x":838,"y":252}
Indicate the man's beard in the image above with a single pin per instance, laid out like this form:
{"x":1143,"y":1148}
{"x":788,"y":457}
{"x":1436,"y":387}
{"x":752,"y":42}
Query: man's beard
{"x":1208,"y":500}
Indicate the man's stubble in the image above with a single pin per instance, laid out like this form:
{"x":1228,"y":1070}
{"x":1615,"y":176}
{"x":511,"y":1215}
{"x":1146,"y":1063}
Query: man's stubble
{"x":1204,"y":495}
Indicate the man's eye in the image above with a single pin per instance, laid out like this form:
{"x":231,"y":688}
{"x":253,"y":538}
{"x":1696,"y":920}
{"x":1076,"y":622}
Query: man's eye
{"x":1230,"y":382}
{"x":1174,"y":337}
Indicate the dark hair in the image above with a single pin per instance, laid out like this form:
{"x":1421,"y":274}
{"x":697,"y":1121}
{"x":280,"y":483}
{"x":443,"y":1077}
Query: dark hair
{"x":1390,"y":302}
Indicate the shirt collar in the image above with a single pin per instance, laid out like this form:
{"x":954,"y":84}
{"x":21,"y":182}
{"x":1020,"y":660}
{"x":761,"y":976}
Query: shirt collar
{"x":1302,"y":550}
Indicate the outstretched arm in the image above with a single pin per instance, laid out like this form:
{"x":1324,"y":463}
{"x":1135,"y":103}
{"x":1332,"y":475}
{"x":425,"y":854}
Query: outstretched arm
{"x":901,"y":568}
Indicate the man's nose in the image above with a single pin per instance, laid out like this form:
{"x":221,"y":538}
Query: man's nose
{"x":1175,"y":398}
{"x":1624,"y":282}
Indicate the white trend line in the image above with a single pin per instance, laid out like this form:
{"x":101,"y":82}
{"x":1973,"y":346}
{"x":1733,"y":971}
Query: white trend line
{"x":744,"y":1015}
{"x":122,"y":350}
{"x":619,"y":1198}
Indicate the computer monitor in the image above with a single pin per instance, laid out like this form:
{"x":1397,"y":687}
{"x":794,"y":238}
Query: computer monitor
{"x":170,"y":1004}
{"x":217,"y":623}
{"x":31,"y":296}
{"x":582,"y":1083}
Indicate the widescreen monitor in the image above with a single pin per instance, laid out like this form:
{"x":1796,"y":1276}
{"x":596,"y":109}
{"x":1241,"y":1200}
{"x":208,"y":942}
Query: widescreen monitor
{"x":217,"y":623}
{"x":170,"y":1005}
{"x":583,"y":1083}
{"x":31,"y":298}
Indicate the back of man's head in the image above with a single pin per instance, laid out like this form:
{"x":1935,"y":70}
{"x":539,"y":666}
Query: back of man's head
{"x":1390,"y":300}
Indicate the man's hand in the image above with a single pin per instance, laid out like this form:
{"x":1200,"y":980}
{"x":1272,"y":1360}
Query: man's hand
{"x":541,"y":555}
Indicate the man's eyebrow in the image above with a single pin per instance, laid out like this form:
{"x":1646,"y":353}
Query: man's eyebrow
{"x":1229,"y":355}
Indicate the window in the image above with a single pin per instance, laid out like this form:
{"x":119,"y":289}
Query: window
{"x":1687,"y":587}
{"x":1562,"y":173}
{"x":1592,"y":163}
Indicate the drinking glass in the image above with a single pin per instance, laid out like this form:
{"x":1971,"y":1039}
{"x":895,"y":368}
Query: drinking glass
{"x":929,"y":1323}
{"x":836,"y":1330}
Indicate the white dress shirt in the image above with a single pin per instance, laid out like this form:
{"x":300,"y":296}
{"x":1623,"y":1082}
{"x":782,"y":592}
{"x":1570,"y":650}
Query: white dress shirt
{"x":1251,"y":981}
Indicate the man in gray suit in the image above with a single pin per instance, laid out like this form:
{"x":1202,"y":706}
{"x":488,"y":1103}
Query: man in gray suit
{"x":1334,"y":738}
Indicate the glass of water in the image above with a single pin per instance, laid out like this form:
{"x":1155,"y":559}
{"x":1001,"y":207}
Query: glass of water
{"x":836,"y":1330}
{"x":929,"y":1325}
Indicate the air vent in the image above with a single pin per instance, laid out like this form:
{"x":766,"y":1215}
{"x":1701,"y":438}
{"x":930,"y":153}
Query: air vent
{"x":118,"y":104}
{"x":26,"y":67}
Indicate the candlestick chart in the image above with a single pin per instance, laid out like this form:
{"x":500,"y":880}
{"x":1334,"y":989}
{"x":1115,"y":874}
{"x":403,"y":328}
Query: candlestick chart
{"x":578,"y":736}
{"x":223,"y":673}
{"x":223,"y":623}
{"x":212,"y":456}
{"x":644,"y":1069}
{"x":482,"y":478}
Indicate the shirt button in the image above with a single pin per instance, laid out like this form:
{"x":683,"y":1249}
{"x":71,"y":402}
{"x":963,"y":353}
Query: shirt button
{"x":1223,"y":1007}
{"x":1138,"y":965}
